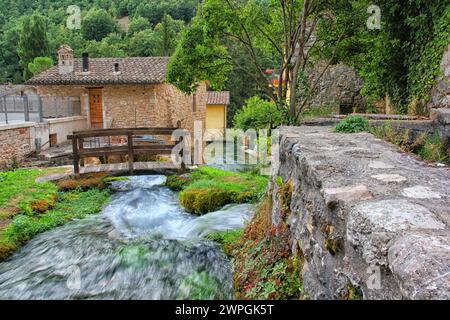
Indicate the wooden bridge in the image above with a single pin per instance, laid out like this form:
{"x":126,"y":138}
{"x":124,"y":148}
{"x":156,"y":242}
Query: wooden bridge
{"x":123,"y":142}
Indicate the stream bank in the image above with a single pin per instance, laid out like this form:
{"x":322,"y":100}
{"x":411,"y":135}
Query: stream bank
{"x":143,"y":246}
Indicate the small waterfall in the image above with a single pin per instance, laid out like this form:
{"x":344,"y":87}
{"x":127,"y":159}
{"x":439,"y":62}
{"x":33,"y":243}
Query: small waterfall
{"x":143,"y":246}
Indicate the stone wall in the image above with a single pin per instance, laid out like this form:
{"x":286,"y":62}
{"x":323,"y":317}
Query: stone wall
{"x":129,"y":106}
{"x":15,"y":144}
{"x":338,"y":87}
{"x":364,"y":216}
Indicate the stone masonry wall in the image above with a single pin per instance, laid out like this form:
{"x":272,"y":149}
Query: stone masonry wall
{"x":14,"y":144}
{"x":160,"y":105}
{"x":339,"y":86}
{"x":365,"y":216}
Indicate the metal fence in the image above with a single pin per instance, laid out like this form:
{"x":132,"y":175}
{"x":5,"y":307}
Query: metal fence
{"x":34,"y":108}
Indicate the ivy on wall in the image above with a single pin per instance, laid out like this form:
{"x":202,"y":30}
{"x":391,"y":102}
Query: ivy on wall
{"x":413,"y":39}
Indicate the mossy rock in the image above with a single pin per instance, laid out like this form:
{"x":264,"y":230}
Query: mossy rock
{"x":202,"y":201}
{"x":178,"y":182}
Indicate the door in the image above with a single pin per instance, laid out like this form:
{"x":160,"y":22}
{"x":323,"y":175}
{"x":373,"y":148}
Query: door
{"x":96,"y":108}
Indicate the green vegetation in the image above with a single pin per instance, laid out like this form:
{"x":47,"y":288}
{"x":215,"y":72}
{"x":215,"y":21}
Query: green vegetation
{"x":227,"y":239}
{"x":40,"y":64}
{"x":97,"y":24}
{"x":33,"y":42}
{"x":265,"y":267}
{"x":435,"y":149}
{"x":28,"y":208}
{"x":259,"y":114}
{"x":208,"y":189}
{"x":71,"y":205}
{"x":19,"y":192}
{"x":352,"y":124}
{"x":36,"y":28}
{"x":432,"y":148}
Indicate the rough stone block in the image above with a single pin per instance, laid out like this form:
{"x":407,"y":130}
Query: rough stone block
{"x":373,"y":225}
{"x":420,"y":260}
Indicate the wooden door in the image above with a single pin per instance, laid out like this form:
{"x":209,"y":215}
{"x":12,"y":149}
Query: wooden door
{"x":96,"y":108}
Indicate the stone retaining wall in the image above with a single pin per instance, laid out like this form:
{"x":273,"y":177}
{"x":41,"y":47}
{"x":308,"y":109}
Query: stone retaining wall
{"x":17,"y":141}
{"x":364,"y":216}
{"x":14,"y":145}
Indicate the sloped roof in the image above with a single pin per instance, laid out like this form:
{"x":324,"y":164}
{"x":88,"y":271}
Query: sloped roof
{"x":145,"y":70}
{"x":218,"y":98}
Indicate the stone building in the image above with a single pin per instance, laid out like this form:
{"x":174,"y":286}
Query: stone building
{"x":128,"y":93}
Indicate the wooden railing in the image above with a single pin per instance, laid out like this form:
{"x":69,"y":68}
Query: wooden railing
{"x":124,"y":144}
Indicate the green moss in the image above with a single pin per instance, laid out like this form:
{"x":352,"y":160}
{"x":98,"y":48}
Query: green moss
{"x":227,"y":239}
{"x":208,"y":189}
{"x":204,"y":200}
{"x":72,"y":205}
{"x":177,"y":183}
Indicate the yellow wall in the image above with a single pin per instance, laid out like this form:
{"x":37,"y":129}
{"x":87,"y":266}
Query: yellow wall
{"x":216,"y":117}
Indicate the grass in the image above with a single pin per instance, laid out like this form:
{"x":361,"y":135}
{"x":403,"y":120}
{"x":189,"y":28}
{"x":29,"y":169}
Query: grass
{"x":435,"y":149}
{"x":71,"y":205}
{"x":208,"y":189}
{"x":28,"y":208}
{"x":431,"y":148}
{"x":20,"y":193}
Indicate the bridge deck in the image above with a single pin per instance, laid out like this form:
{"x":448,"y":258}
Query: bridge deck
{"x":138,"y":166}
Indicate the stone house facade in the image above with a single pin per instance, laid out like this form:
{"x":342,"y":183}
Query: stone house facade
{"x":123,"y":92}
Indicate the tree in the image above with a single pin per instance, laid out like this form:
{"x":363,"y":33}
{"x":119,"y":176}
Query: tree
{"x":259,"y":114}
{"x":142,"y":44}
{"x":40,"y":64}
{"x":10,"y":70}
{"x":276,"y":34}
{"x":97,"y":24}
{"x":167,"y":33}
{"x":33,"y":41}
{"x":138,"y":24}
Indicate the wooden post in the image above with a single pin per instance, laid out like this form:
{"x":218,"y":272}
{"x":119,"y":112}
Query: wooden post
{"x":130,"y":153}
{"x":76,"y":158}
{"x":183,"y":164}
{"x":81,"y":147}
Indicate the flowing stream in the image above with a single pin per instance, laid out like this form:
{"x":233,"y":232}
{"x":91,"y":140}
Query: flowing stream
{"x":142,"y":246}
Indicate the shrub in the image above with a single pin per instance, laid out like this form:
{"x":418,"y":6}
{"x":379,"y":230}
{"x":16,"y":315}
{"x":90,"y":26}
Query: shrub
{"x":435,"y":149}
{"x":352,"y":124}
{"x":260,"y":114}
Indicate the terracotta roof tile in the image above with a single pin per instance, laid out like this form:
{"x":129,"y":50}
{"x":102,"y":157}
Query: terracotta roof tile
{"x":218,"y":98}
{"x":147,"y":70}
